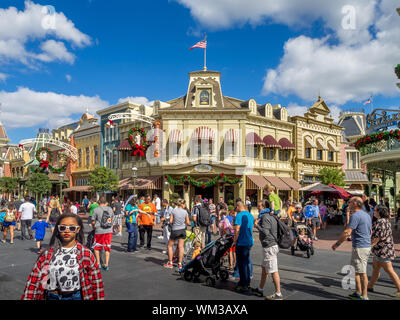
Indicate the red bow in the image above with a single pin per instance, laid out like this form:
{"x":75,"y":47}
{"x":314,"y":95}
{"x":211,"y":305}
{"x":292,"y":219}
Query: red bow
{"x":21,"y":146}
{"x":44,"y":164}
{"x":138,"y":151}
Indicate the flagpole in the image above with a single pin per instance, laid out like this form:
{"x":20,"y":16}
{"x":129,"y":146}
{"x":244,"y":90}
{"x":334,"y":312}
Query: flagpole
{"x":205,"y":54}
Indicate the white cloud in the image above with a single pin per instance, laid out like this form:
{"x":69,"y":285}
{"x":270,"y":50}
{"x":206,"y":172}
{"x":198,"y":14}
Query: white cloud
{"x":28,"y":108}
{"x":32,"y":25}
{"x":3,"y":76}
{"x":68,"y":77}
{"x":139,"y":100}
{"x":296,"y":110}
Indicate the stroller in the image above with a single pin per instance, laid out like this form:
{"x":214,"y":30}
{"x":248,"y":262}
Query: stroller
{"x":301,"y":244}
{"x":209,"y":262}
{"x":188,"y":246}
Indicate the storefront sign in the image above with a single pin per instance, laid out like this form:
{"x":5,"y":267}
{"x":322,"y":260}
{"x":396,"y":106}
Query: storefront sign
{"x":382,"y":119}
{"x":202,"y":168}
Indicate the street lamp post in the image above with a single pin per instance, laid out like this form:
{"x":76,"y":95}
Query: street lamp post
{"x":134,"y":176}
{"x":61,"y":181}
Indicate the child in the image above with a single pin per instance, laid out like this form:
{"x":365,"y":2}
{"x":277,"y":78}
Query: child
{"x":303,"y":236}
{"x":197,"y":249}
{"x":225,"y":226}
{"x":40,"y":227}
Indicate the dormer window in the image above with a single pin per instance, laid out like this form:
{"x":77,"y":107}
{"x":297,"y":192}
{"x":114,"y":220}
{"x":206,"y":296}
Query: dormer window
{"x":204,"y":98}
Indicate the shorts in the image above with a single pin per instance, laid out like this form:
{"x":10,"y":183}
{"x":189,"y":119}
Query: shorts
{"x":232,"y":249}
{"x":200,"y":234}
{"x":359,"y":259}
{"x":324,"y":218}
{"x":38,"y":239}
{"x":382,"y":259}
{"x":270,"y":259}
{"x":316,"y":223}
{"x":118,"y":219}
{"x":102,"y":241}
{"x":178,"y":234}
{"x":7,"y":224}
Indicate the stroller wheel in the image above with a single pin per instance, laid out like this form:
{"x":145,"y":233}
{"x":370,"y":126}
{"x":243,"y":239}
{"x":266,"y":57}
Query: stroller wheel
{"x":210,"y":282}
{"x":224,"y":275}
{"x":292,"y":250}
{"x":308,"y":253}
{"x":188,"y":275}
{"x":196,"y":274}
{"x":312,"y":250}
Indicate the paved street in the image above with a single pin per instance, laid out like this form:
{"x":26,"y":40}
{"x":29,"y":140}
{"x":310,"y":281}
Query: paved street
{"x":141,"y":276}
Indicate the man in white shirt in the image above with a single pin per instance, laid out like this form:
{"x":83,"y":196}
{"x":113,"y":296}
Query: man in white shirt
{"x":157,"y":203}
{"x":74,"y":208}
{"x":27,"y":209}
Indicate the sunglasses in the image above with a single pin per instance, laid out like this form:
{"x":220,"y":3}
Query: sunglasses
{"x":63,"y":228}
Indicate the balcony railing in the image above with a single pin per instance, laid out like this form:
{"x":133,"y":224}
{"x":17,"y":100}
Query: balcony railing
{"x":381,"y":146}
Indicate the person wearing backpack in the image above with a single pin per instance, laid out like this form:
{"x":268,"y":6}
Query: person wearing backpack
{"x":54,"y":212}
{"x":102,"y":223}
{"x":9,"y":222}
{"x":201,"y":219}
{"x":268,"y":233}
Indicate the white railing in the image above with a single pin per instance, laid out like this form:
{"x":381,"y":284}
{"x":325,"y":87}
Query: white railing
{"x":70,"y":150}
{"x":133,"y":116}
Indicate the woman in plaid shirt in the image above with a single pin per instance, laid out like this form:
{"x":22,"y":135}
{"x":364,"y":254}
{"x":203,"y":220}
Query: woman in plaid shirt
{"x":67,"y":270}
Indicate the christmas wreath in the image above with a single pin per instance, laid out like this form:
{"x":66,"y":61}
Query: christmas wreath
{"x":138,"y":149}
{"x":188,"y":179}
{"x":46,"y":164}
{"x":377,"y":137}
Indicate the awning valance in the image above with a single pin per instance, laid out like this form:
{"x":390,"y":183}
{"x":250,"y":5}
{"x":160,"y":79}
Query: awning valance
{"x":332,"y":146}
{"x":253,"y":138}
{"x":321,"y":145}
{"x":77,"y":189}
{"x":309,"y":143}
{"x":293,"y":184}
{"x":278,"y":183}
{"x":255,"y":182}
{"x":124,"y":146}
{"x":232,"y":136}
{"x":203,"y":133}
{"x":286,"y":144}
{"x":175,"y":136}
{"x":270,"y":142}
{"x":142,"y":183}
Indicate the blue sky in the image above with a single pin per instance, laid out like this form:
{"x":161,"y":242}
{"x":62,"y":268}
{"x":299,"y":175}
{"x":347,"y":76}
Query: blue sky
{"x":102,"y":53}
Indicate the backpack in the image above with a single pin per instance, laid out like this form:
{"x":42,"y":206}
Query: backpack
{"x":106,"y":220}
{"x":284,"y":235}
{"x":204,"y":217}
{"x":90,"y":240}
{"x":10,"y":216}
{"x":54,"y":214}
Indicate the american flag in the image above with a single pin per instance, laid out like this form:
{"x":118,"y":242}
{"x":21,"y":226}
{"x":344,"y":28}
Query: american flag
{"x":368,"y":101}
{"x":202,"y":44}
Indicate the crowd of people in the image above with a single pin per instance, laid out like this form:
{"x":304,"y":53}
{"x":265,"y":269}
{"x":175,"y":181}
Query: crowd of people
{"x":366,"y":224}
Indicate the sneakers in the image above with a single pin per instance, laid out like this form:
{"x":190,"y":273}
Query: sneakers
{"x":257,"y":292}
{"x":4,"y":241}
{"x":395,"y":295}
{"x":160,"y":237}
{"x":168,"y":265}
{"x":355,"y":296}
{"x":11,"y":242}
{"x":179,"y":266}
{"x":244,"y":290}
{"x":364,"y":298}
{"x":105,"y":268}
{"x":275,"y":296}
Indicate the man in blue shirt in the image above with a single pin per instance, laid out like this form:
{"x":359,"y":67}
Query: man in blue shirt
{"x":359,"y":228}
{"x":315,"y":220}
{"x":243,"y":241}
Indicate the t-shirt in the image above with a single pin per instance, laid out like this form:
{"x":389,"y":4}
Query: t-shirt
{"x":74,"y":209}
{"x":98,"y":216}
{"x":92,"y":207}
{"x":290,"y":211}
{"x":40,"y":227}
{"x":157,"y":203}
{"x":361,"y":224}
{"x":132,"y":217}
{"x":150,"y":209}
{"x":118,"y":207}
{"x":323,"y":210}
{"x":27,"y":210}
{"x":230,"y":218}
{"x":179,"y":218}
{"x":273,"y":197}
{"x":246,"y":222}
{"x":85,"y":202}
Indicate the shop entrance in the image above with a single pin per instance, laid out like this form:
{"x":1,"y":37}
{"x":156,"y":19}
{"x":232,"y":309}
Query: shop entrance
{"x":206,"y":193}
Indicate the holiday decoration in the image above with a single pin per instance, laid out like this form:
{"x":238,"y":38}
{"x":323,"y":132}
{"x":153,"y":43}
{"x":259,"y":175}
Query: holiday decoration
{"x":186,"y":179}
{"x":376,"y":137}
{"x":110,"y":124}
{"x":138,"y":141}
{"x":45,"y":158}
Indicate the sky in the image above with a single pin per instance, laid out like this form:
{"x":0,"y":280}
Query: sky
{"x":59,"y":58}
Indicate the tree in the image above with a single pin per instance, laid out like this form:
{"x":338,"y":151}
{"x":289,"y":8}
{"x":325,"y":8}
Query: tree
{"x":103,"y":179}
{"x":8,"y":184}
{"x":332,"y":176}
{"x":39,"y":184}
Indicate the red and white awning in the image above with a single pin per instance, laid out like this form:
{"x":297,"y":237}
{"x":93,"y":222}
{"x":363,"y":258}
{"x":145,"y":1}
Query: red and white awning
{"x":232,"y":136}
{"x":253,"y":138}
{"x":175,"y":136}
{"x":203,"y":133}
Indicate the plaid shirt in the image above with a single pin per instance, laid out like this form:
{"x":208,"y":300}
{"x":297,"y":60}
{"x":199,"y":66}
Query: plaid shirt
{"x":90,"y":276}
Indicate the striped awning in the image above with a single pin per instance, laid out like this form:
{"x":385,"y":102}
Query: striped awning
{"x":175,"y":136}
{"x":270,"y":142}
{"x":142,"y":183}
{"x":124,"y":146}
{"x":293,"y":184}
{"x":286,"y":144}
{"x":232,"y":136}
{"x":321,"y":144}
{"x":255,"y":182}
{"x":332,"y":146}
{"x":278,"y":183}
{"x":253,"y":138}
{"x":78,"y":189}
{"x":203,"y":133}
{"x":310,"y":143}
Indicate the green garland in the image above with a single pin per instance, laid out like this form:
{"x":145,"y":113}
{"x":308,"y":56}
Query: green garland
{"x":50,"y":160}
{"x":47,"y":150}
{"x":188,"y":179}
{"x":377,"y":137}
{"x":143,"y":133}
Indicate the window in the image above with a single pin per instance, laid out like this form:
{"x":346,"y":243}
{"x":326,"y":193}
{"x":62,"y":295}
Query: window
{"x":280,"y":155}
{"x":79,"y":157}
{"x":251,"y":151}
{"x":204,"y":147}
{"x":330,"y":156}
{"x":353,"y":160}
{"x":265,"y":153}
{"x":96,"y":155}
{"x":87,"y":157}
{"x":308,"y":153}
{"x":319,"y":154}
{"x":286,"y":155}
{"x":115,"y":160}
